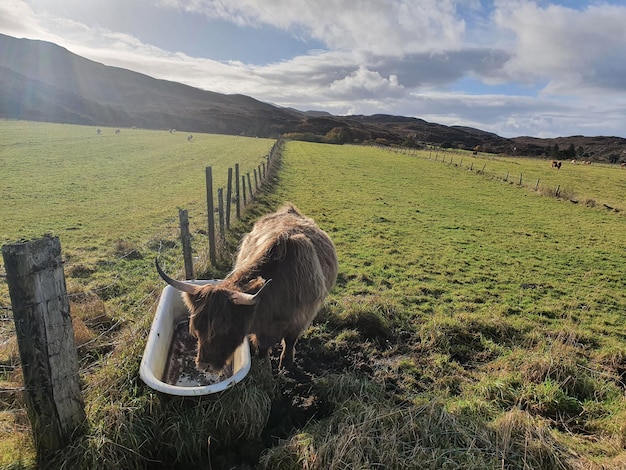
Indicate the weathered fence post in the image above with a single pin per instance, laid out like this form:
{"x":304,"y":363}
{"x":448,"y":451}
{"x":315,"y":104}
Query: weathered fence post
{"x":210,"y":213}
{"x":229,"y":195}
{"x":185,"y":239}
{"x":249,"y":186}
{"x":520,"y":179}
{"x":220,"y":205}
{"x":537,"y":185}
{"x":45,"y":339}
{"x":256,"y":181}
{"x":237,"y":194}
{"x":506,"y":178}
{"x":243,"y":189}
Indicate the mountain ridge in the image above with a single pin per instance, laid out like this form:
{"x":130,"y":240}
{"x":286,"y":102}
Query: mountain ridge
{"x":43,"y":81}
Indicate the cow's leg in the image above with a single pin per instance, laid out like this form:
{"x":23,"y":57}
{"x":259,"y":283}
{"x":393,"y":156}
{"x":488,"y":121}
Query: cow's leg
{"x":264,"y":353}
{"x":263,"y":349}
{"x":286,"y":357}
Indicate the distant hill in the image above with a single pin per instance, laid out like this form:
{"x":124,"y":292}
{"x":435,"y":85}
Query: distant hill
{"x":44,"y":82}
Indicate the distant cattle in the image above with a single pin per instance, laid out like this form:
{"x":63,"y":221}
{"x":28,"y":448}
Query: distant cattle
{"x":117,"y":131}
{"x":623,"y":165}
{"x":190,"y":137}
{"x":556,"y":164}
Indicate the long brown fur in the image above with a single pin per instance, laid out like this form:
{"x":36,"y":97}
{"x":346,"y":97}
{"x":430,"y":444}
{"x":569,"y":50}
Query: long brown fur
{"x":300,"y":260}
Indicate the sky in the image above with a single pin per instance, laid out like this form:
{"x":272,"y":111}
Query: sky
{"x":512,"y":67}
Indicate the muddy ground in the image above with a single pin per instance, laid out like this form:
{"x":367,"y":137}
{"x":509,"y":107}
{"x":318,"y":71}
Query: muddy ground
{"x":297,"y":403}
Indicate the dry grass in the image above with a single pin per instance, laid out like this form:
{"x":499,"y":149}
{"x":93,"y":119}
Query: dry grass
{"x":372,"y":434}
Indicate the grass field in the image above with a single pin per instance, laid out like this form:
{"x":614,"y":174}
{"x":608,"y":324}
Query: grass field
{"x":592,"y":185}
{"x":475,"y":323}
{"x":93,"y":190}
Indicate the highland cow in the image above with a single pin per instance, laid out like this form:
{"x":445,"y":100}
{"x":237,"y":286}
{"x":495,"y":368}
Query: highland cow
{"x":284,"y":269}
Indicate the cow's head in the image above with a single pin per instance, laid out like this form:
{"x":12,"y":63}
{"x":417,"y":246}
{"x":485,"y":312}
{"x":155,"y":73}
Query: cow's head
{"x":220,"y":318}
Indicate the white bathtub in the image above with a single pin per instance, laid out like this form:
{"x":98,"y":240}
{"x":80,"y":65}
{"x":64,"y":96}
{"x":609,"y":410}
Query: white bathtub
{"x":170,"y":311}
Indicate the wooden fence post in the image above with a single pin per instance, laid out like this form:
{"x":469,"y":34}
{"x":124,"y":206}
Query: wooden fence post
{"x":185,"y":238}
{"x":256,"y":181}
{"x":220,"y":205}
{"x":520,"y":179}
{"x":249,"y":186}
{"x":237,"y":194}
{"x":243,"y":189}
{"x":229,"y":195}
{"x":210,"y":213}
{"x":45,"y":339}
{"x":537,"y":185}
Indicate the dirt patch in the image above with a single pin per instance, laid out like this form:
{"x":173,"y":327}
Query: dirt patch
{"x":298,"y":402}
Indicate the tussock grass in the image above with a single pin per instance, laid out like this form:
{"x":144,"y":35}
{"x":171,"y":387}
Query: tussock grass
{"x":371,"y":316}
{"x":368,"y":435}
{"x":131,"y":426}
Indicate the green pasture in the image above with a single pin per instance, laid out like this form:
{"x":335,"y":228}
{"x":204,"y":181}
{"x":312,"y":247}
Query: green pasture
{"x":406,"y":226}
{"x":92,"y":190}
{"x":598,"y":184}
{"x":476,"y":323}
{"x":511,"y":303}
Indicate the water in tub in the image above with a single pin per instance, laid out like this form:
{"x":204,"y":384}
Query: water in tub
{"x":181,"y":368}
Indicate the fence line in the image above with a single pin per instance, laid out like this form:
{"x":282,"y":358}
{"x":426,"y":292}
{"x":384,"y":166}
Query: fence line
{"x":244,"y":195}
{"x":434,"y":154}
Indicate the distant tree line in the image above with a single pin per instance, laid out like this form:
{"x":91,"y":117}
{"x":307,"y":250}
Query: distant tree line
{"x":570,"y":153}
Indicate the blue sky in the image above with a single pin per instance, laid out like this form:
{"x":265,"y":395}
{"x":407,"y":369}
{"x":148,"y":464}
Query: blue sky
{"x":513,"y":67}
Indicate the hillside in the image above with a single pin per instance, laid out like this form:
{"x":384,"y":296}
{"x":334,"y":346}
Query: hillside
{"x":44,"y":82}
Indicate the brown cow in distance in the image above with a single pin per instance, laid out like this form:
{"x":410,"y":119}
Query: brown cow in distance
{"x":556,"y":164}
{"x":284,"y":268}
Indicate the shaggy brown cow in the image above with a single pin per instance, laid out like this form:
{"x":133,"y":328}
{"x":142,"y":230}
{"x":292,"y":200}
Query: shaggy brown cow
{"x":556,"y":164}
{"x":285,"y":267}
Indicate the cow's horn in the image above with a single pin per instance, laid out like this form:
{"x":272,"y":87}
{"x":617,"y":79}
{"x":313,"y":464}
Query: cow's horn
{"x":242,"y":298}
{"x":180,"y":285}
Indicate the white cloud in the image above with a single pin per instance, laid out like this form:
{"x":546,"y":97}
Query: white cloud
{"x":570,"y":49}
{"x":391,"y":27}
{"x":16,"y":18}
{"x":364,"y":84}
